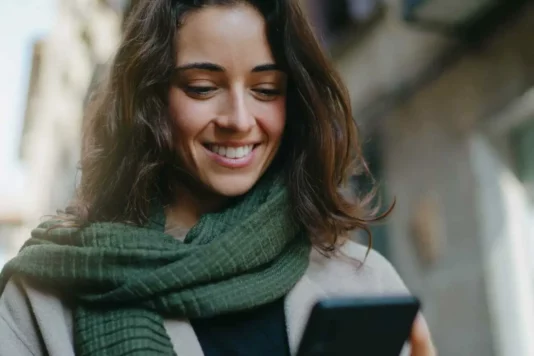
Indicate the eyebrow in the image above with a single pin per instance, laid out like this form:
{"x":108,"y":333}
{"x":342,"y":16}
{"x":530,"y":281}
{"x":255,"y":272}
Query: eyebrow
{"x":266,"y":68}
{"x":212,"y":67}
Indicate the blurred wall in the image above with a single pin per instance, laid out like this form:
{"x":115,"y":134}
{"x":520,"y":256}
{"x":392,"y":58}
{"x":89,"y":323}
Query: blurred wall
{"x":438,"y":232}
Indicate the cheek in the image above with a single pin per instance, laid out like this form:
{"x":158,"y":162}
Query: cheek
{"x":274,"y":119}
{"x":187,"y":115}
{"x":188,"y":124}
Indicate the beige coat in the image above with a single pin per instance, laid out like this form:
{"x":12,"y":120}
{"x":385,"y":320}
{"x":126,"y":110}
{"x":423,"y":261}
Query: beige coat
{"x":34,"y":321}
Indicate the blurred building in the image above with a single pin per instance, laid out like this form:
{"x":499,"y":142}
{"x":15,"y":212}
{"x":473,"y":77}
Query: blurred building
{"x":84,"y":38}
{"x":444,"y":93}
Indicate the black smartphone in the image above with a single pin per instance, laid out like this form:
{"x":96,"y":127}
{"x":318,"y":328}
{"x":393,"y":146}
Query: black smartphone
{"x":359,"y":326}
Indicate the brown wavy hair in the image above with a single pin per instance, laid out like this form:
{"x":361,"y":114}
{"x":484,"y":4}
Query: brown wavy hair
{"x":128,"y":152}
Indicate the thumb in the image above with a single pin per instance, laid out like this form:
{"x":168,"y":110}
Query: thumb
{"x":420,"y":339}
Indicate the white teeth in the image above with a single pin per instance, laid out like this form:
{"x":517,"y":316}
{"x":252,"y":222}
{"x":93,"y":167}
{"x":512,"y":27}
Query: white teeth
{"x":232,"y":152}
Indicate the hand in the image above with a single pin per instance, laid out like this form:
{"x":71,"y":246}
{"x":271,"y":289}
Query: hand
{"x":420,"y":339}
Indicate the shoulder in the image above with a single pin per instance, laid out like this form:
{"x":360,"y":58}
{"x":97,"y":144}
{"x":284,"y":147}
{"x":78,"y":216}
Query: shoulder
{"x":17,"y":325}
{"x":354,"y":269}
{"x":26,"y":313}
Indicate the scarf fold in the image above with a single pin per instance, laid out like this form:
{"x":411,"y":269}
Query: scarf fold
{"x":126,"y":279}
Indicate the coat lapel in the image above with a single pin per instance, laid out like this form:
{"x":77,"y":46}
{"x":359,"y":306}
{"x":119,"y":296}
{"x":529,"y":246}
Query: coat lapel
{"x":183,"y":337}
{"x":298,"y":305}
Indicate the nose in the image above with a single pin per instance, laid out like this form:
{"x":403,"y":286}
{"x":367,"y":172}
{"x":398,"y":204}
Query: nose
{"x":239,"y":116}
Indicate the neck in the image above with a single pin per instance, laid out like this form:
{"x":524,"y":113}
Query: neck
{"x":187,"y":208}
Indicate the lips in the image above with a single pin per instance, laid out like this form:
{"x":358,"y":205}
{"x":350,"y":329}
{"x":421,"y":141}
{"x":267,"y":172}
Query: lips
{"x":232,"y":152}
{"x":232,"y":155}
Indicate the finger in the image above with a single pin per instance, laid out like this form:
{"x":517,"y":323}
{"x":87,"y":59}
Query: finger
{"x":420,"y":339}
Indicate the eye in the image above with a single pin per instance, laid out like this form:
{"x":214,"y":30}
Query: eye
{"x":267,"y":94}
{"x":200,"y":91}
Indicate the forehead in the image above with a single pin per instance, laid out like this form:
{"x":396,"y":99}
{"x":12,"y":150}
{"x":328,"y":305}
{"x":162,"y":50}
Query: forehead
{"x":226,"y":35}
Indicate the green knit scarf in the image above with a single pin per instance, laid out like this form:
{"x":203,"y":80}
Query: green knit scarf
{"x":125,"y":280}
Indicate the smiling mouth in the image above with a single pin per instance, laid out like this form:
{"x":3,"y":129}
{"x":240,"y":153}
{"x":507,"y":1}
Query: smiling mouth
{"x":231,"y":152}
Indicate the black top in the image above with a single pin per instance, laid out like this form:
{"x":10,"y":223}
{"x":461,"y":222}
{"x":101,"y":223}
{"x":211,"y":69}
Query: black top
{"x":260,"y":331}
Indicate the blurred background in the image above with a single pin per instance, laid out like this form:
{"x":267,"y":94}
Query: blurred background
{"x":442,"y":89}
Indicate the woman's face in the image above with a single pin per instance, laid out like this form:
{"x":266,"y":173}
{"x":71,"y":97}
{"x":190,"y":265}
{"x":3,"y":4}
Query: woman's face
{"x":227,"y":98}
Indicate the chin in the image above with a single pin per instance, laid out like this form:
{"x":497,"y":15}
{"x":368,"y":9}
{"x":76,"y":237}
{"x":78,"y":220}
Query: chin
{"x":233,"y":186}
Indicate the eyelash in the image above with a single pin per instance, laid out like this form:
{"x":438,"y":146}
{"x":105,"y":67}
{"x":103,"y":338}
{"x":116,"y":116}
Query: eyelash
{"x":198,"y":90}
{"x":268,"y":92}
{"x":205,"y":90}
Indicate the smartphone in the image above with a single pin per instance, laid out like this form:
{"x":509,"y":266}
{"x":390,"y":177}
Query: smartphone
{"x":359,"y":326}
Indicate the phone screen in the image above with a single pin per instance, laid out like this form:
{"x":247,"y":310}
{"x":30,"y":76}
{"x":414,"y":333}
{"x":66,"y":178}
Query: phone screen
{"x":359,"y":326}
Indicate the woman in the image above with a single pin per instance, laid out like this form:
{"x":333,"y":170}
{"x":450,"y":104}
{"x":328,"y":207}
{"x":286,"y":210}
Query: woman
{"x":209,"y":217}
